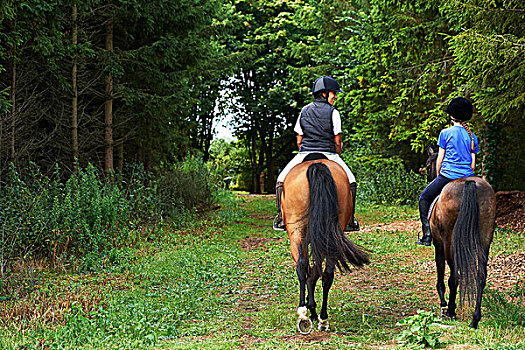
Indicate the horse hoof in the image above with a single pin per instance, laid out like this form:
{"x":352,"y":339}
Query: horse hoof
{"x":304,"y":326}
{"x":473,"y":325}
{"x":323,"y":325}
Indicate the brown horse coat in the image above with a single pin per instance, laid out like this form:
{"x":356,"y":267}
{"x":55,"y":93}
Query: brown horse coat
{"x":295,"y":207}
{"x":445,"y":214}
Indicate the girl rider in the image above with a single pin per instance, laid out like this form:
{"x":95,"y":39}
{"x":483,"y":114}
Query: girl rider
{"x":456,"y":159}
{"x":318,"y":131}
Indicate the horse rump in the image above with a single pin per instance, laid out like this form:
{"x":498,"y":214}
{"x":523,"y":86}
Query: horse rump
{"x":324,"y":234}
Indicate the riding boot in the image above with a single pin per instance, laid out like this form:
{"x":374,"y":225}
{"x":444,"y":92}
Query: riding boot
{"x":278,"y":223}
{"x":424,"y":207}
{"x":353,"y":225}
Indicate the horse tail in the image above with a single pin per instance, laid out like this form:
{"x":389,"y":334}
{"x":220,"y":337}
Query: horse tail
{"x":324,"y":234}
{"x":470,"y":259}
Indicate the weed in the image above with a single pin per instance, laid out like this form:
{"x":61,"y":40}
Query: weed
{"x":418,"y":331}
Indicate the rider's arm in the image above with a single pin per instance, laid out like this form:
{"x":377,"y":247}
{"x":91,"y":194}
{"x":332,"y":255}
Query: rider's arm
{"x":336,"y":122}
{"x":441,"y":156}
{"x":473,"y":164}
{"x":338,"y":143}
{"x":299,"y":141}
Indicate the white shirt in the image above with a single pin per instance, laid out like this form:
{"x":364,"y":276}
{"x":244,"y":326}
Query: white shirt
{"x":336,"y":122}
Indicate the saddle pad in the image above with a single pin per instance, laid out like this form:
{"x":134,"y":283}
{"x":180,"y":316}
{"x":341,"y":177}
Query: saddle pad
{"x":432,"y":207}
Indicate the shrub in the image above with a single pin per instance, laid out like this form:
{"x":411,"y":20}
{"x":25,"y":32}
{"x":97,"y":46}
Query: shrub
{"x":43,"y":217}
{"x":89,"y":217}
{"x":390,"y":184}
{"x":385,"y":180}
{"x":189,"y":184}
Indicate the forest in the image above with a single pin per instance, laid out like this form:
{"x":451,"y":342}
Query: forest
{"x":116,"y":83}
{"x":109,"y":110}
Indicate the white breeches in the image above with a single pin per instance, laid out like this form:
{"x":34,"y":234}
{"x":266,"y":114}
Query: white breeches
{"x":301,"y":155}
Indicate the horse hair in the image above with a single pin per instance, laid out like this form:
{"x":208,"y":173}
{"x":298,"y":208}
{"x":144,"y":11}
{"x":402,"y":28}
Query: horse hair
{"x":470,"y":259}
{"x":324,"y":234}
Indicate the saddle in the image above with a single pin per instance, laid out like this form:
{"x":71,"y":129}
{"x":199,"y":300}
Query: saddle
{"x":314,"y":156}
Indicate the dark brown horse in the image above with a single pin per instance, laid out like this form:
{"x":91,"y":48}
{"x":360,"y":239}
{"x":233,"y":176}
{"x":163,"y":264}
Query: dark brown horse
{"x":316,"y":206}
{"x":462,"y":225}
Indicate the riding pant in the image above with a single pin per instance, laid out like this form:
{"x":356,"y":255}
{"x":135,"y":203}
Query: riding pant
{"x":429,"y":194}
{"x":300,"y":157}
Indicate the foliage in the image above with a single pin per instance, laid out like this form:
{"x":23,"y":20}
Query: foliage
{"x":418,"y":329}
{"x":43,"y":217}
{"x":190,"y":184}
{"x":163,"y":56}
{"x":89,"y":217}
{"x":383,"y":184}
{"x":286,"y":43}
{"x":226,"y":159}
{"x":384,"y":180}
{"x":414,"y":57}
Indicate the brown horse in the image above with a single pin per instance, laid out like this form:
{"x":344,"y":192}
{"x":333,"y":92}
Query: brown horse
{"x":462,"y":225}
{"x":316,"y":206}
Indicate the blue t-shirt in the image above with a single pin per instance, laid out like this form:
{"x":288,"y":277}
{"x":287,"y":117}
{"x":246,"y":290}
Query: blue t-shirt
{"x":458,"y":158}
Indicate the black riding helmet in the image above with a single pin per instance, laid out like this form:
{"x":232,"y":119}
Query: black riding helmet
{"x":325,"y":84}
{"x":460,"y":109}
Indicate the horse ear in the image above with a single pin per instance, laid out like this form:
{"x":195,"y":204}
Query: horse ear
{"x":430,"y":150}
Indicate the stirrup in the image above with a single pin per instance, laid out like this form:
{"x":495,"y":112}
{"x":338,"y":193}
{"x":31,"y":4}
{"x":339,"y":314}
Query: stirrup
{"x":352,"y":226}
{"x":422,"y":241}
{"x":278,"y":225}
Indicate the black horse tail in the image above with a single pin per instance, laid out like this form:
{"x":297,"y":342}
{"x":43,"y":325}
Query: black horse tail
{"x":470,"y":259}
{"x":324,"y":235}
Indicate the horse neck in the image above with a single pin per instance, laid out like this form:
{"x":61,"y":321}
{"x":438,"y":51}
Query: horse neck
{"x":432,"y":174}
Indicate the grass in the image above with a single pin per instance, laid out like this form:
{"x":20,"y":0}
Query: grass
{"x":228,"y":282}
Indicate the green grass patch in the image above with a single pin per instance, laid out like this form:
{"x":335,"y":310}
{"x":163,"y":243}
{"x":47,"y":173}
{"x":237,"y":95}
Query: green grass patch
{"x":228,"y":281}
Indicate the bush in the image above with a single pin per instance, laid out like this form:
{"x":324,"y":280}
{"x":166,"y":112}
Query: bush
{"x":43,"y":217}
{"x":187,"y":185}
{"x":390,"y":184}
{"x":385,"y":180}
{"x":89,"y":217}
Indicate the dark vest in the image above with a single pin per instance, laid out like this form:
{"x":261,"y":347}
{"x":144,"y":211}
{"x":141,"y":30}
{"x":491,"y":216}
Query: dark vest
{"x":318,"y":129}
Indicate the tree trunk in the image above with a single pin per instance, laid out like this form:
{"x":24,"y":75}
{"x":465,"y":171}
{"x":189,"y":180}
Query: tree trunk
{"x":207,"y":134}
{"x":12,"y":95}
{"x":74,"y":100}
{"x":253,"y":153}
{"x":108,"y":110}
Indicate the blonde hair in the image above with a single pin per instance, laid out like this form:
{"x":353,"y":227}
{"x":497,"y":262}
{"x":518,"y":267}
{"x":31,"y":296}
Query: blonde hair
{"x":463,"y":124}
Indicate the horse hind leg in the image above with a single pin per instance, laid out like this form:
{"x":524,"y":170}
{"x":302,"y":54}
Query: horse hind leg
{"x":453,"y":288}
{"x":304,"y":324}
{"x":481,"y":281}
{"x":328,"y":280}
{"x":311,"y":282}
{"x":440,"y":285}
